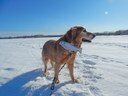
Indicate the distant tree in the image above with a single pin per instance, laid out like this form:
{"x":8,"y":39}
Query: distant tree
{"x":119,"y":32}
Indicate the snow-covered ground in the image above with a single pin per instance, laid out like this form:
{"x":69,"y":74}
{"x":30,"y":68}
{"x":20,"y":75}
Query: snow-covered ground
{"x":102,"y":69}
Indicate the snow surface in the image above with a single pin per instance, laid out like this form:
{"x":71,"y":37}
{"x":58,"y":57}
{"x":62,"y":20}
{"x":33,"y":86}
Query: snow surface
{"x":102,"y":69}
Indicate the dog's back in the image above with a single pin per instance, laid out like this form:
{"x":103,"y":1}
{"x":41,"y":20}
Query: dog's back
{"x":48,"y":50}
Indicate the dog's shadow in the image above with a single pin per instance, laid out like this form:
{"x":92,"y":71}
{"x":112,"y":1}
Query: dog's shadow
{"x":46,"y":89}
{"x":14,"y":87}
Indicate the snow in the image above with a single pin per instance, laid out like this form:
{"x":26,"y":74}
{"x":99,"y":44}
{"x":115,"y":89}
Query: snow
{"x":102,"y":69}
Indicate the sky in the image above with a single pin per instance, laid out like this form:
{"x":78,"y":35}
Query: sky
{"x":58,"y":16}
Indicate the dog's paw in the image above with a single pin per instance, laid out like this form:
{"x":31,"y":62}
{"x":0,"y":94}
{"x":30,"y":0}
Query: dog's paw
{"x":75,"y":81}
{"x":57,"y":81}
{"x":45,"y":74}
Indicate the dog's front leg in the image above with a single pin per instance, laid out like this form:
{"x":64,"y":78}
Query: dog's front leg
{"x":56,"y":70}
{"x":71,"y":72}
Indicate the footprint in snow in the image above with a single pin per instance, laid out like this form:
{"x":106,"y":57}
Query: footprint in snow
{"x":9,"y":69}
{"x":94,"y":91}
{"x":89,"y":62}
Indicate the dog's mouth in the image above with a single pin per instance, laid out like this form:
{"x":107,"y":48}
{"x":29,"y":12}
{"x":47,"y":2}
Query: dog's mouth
{"x":89,"y":39}
{"x":85,"y":40}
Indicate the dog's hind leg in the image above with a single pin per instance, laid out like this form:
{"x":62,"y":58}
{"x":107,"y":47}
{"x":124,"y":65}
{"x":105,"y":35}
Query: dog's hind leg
{"x":52,"y":63}
{"x":45,"y":61}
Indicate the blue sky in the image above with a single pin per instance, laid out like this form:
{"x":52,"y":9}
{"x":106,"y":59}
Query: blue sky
{"x":57,"y":16}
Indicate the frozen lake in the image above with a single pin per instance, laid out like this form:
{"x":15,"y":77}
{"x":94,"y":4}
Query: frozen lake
{"x":102,"y":69}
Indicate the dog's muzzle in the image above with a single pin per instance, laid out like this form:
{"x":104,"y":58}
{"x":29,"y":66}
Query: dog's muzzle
{"x":85,"y":40}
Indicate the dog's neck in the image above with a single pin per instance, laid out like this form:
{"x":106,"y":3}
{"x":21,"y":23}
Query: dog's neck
{"x":70,"y":47}
{"x":76,"y":42}
{"x":73,"y":42}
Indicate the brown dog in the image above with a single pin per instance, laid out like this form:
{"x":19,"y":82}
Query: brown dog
{"x":54,"y":52}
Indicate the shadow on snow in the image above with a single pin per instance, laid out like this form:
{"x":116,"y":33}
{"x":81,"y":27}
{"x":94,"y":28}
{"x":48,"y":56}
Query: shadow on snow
{"x":14,"y":87}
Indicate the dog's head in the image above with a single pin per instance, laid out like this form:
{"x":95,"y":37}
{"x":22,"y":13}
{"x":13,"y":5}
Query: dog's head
{"x":78,"y":33}
{"x":87,"y":36}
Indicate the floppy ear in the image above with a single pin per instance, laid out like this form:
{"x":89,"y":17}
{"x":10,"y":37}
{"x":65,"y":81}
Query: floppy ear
{"x":70,"y":35}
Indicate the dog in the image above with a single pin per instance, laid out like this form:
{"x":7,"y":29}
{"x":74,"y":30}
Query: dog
{"x":57,"y":55}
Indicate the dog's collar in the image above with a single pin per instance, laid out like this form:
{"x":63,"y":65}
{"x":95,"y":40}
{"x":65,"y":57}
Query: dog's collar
{"x":70,"y":47}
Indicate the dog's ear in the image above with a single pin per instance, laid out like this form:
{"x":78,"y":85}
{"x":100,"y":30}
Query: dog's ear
{"x":67,"y":36}
{"x":71,"y":34}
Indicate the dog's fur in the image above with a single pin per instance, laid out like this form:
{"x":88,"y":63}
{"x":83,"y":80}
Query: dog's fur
{"x":57,"y":55}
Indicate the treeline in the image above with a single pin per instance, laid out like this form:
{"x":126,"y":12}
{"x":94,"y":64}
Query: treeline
{"x":31,"y":36}
{"x":119,"y":32}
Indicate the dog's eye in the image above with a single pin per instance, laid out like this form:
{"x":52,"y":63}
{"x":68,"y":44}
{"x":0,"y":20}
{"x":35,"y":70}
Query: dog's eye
{"x":84,"y":30}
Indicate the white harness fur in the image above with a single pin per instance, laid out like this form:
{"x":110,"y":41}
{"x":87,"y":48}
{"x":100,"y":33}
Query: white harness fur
{"x":70,"y":47}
